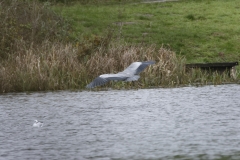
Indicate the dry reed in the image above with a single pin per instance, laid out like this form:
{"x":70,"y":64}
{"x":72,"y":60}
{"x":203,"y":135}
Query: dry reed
{"x":30,"y":21}
{"x":56,"y":66}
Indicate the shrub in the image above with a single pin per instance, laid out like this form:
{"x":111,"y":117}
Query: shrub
{"x":29,"y":21}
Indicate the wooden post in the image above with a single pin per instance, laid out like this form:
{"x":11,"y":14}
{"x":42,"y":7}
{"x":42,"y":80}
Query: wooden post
{"x":217,"y":67}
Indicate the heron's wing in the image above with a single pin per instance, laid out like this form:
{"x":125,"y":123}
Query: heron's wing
{"x":143,"y":65}
{"x":131,"y":70}
{"x":104,"y":78}
{"x":97,"y":82}
{"x":136,"y":67}
{"x":133,"y":78}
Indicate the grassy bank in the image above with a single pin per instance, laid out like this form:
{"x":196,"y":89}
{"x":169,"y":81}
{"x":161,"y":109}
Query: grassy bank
{"x":202,"y":31}
{"x":43,"y":51}
{"x":57,"y":67}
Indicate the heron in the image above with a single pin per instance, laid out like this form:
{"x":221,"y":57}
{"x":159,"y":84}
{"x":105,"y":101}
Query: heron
{"x":131,"y":73}
{"x":37,"y":124}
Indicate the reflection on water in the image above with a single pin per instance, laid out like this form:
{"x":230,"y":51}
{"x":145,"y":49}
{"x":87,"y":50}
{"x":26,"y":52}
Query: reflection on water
{"x":176,"y":123}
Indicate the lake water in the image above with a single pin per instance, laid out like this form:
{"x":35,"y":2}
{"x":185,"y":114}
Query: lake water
{"x":145,"y":124}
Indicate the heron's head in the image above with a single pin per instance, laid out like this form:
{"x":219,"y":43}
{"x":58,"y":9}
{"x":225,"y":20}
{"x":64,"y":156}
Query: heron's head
{"x":36,"y":121}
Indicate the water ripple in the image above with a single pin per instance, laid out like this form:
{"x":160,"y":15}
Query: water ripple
{"x":175,"y":123}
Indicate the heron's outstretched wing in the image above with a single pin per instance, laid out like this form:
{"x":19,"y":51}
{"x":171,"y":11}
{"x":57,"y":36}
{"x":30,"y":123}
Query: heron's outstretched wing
{"x":104,"y":78}
{"x":133,"y":78}
{"x":131,"y":70}
{"x":143,"y":65}
{"x":97,"y":82}
{"x":136,"y":67}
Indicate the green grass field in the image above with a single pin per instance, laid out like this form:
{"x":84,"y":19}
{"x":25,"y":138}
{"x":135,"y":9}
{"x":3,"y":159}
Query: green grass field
{"x":201,"y":30}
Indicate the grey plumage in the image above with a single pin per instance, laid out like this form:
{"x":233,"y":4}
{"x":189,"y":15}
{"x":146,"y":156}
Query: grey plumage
{"x":131,"y":73}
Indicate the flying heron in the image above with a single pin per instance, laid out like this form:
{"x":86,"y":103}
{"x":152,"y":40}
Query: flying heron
{"x":131,"y":73}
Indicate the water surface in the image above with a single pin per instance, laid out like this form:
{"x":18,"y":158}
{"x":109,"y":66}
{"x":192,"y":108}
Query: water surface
{"x":175,"y":123}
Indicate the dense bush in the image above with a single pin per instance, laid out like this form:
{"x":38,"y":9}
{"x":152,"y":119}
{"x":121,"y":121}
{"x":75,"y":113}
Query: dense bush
{"x":30,"y":21}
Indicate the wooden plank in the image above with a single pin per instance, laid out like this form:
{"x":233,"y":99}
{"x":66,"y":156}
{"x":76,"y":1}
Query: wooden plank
{"x":216,"y":67}
{"x":212,"y":65}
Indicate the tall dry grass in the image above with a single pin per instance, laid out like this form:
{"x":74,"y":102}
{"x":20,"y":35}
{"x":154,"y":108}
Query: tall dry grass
{"x":30,"y":21}
{"x":47,"y":67}
{"x":56,"y":66}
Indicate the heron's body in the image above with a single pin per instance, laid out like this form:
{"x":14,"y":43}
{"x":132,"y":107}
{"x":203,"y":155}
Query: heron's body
{"x":131,"y":73}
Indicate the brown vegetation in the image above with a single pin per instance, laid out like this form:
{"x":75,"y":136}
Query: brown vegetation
{"x":56,"y":66}
{"x":36,"y":57}
{"x":28,"y":21}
